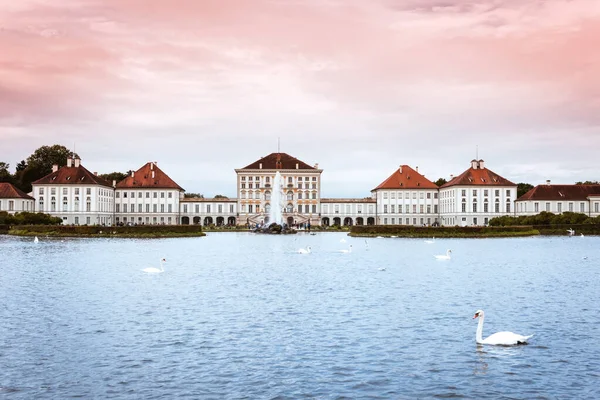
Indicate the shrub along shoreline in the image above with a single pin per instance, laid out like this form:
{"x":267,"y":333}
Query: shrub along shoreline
{"x":406,"y":231}
{"x":142,"y":231}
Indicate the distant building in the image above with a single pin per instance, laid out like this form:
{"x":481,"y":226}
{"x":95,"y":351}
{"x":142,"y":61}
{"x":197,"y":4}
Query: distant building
{"x":560,"y":198}
{"x":476,"y":196}
{"x":348,"y":212}
{"x":14,"y":200}
{"x":75,"y":194}
{"x":406,"y":198}
{"x":301,"y":190}
{"x":148,"y":196}
{"x":215,"y":211}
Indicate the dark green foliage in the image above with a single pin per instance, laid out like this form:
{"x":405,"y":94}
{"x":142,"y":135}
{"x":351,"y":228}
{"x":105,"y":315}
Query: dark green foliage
{"x":544,"y":218}
{"x":116,"y":231}
{"x":196,"y":195}
{"x":220,"y":196}
{"x":446,"y":231}
{"x":39,"y":164}
{"x":588,"y":183}
{"x":27,"y":218}
{"x":441,"y":182}
{"x":114,"y":176}
{"x":523,"y":188}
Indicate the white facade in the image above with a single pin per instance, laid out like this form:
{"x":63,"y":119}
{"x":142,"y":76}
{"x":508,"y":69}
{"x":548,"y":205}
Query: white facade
{"x":348,"y":212}
{"x":475,"y":205}
{"x":76,"y":197}
{"x":557,"y":199}
{"x":416,"y":207}
{"x":219,"y":212}
{"x":14,"y":205}
{"x":147,"y":206}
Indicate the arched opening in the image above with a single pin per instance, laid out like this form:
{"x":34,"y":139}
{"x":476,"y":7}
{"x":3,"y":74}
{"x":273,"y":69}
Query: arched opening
{"x":290,"y":196}
{"x":290,"y":221}
{"x":208,"y":221}
{"x":370,"y":221}
{"x":360,"y":221}
{"x":325,"y":221}
{"x":347,"y":221}
{"x":337,"y":221}
{"x":231,"y":221}
{"x":220,"y":221}
{"x":290,"y":208}
{"x":185,"y":220}
{"x":197,"y":220}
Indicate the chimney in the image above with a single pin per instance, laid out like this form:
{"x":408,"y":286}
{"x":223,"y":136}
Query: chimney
{"x":55,"y":168}
{"x":548,"y":182}
{"x":133,"y":174}
{"x":296,"y":165}
{"x":400,"y":169}
{"x":474,"y":164}
{"x":151,"y":166}
{"x":69,"y":162}
{"x":451,"y":176}
{"x":317,"y":166}
{"x":95,"y":173}
{"x":77,"y":162}
{"x":417,"y":169}
{"x":152,"y":174}
{"x":260,"y":166}
{"x":114,"y":183}
{"x":481,"y":164}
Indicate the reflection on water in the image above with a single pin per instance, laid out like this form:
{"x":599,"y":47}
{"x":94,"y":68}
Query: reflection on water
{"x":245,"y":316}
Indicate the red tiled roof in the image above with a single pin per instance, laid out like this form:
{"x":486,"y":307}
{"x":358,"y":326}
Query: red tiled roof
{"x":144,"y":178}
{"x":72,"y":176}
{"x":278,"y":161}
{"x":9,"y":191}
{"x":478,"y":177}
{"x":561,"y":192}
{"x":406,"y":178}
{"x":365,"y":200}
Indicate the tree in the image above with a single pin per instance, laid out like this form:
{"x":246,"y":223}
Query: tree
{"x":5,"y":175}
{"x":523,"y":188}
{"x":588,"y":183}
{"x":114,"y":176}
{"x":39,"y":164}
{"x":441,"y":182}
{"x":220,"y":196}
{"x":197,"y":195}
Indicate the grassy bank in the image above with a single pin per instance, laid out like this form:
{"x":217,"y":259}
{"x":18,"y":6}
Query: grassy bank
{"x":561,"y":230}
{"x":145,"y":231}
{"x":406,"y":231}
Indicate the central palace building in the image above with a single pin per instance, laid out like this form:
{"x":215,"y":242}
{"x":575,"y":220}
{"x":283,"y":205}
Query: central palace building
{"x":149,"y":196}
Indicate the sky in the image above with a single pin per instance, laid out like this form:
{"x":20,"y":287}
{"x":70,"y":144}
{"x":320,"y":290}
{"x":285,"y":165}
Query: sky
{"x":358,"y":86}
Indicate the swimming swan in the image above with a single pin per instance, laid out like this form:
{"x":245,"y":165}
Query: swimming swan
{"x":571,"y":232}
{"x":36,"y":240}
{"x":348,"y":250}
{"x":154,"y":270}
{"x":500,"y":338}
{"x":304,"y":251}
{"x":430,"y":241}
{"x":444,"y":257}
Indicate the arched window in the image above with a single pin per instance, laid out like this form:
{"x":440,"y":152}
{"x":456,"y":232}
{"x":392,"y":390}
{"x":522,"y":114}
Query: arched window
{"x":267,"y":208}
{"x":243,"y":195}
{"x":268,"y":196}
{"x":290,"y":195}
{"x":464,"y":205}
{"x":257,"y":195}
{"x":290,"y":207}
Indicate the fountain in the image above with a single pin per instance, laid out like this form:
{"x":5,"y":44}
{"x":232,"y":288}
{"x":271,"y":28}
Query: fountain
{"x":274,"y":223}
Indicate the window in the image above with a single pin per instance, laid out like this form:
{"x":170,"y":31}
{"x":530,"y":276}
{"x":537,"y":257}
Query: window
{"x":508,"y":193}
{"x":414,"y":209}
{"x":243,"y":186}
{"x":155,"y":195}
{"x":464,"y":205}
{"x":485,"y":192}
{"x":133,"y":195}
{"x":392,"y":209}
{"x":290,"y":179}
{"x":243,"y":178}
{"x":53,"y":204}
{"x":581,"y":207}
{"x":548,"y":207}
{"x":147,"y":208}
{"x":249,"y":178}
{"x":208,"y":208}
{"x":170,"y":195}
{"x":231,"y":208}
{"x":536,"y":207}
{"x":508,"y":206}
{"x":250,"y":186}
{"x":385,"y":221}
{"x":421,"y":195}
{"x":314,"y":208}
{"x":197,"y":208}
{"x":428,"y":195}
{"x":88,"y":205}
{"x":337,"y":209}
{"x":414,"y":195}
{"x":392,"y":195}
{"x":300,"y":185}
{"x":385,"y":209}
{"x":268,"y":179}
{"x":162,"y":208}
{"x":64,"y":203}
{"x":162,"y":195}
{"x":559,"y":207}
{"x":435,"y":209}
{"x":88,"y":220}
{"x":53,"y":191}
{"x":464,"y":192}
{"x":300,"y":196}
{"x":485,"y":206}
{"x":132,"y":208}
{"x":140,"y":208}
{"x":147,"y":195}
{"x":154,"y":207}
{"x":118,"y":195}
{"x":421,"y":209}
{"x":497,"y":192}
{"x":76,"y":220}
{"x":385,"y":195}
{"x":429,"y":209}
{"x":170,"y":208}
{"x":399,"y":208}
{"x":117,"y":208}
{"x":290,"y":196}
{"x":41,"y":191}
{"x":596,"y":207}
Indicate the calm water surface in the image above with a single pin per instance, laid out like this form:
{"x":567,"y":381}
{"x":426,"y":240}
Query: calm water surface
{"x":239,"y":316}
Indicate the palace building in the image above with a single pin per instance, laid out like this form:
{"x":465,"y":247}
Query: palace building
{"x":406,"y":197}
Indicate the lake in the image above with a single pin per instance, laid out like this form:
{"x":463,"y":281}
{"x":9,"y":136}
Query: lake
{"x":243,"y":316}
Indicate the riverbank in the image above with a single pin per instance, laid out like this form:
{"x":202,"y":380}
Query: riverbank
{"x":144,"y":231}
{"x":406,"y":231}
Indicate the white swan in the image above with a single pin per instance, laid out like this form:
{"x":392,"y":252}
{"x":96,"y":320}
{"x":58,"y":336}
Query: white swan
{"x":304,"y":251}
{"x":571,"y":232}
{"x":500,"y":338}
{"x":582,"y":235}
{"x":348,"y":250}
{"x":36,"y":240}
{"x":430,"y":241}
{"x":444,"y":257}
{"x":342,"y":240}
{"x":154,"y":270}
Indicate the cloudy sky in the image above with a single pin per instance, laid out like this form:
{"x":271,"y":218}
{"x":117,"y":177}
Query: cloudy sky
{"x":359,"y":86}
